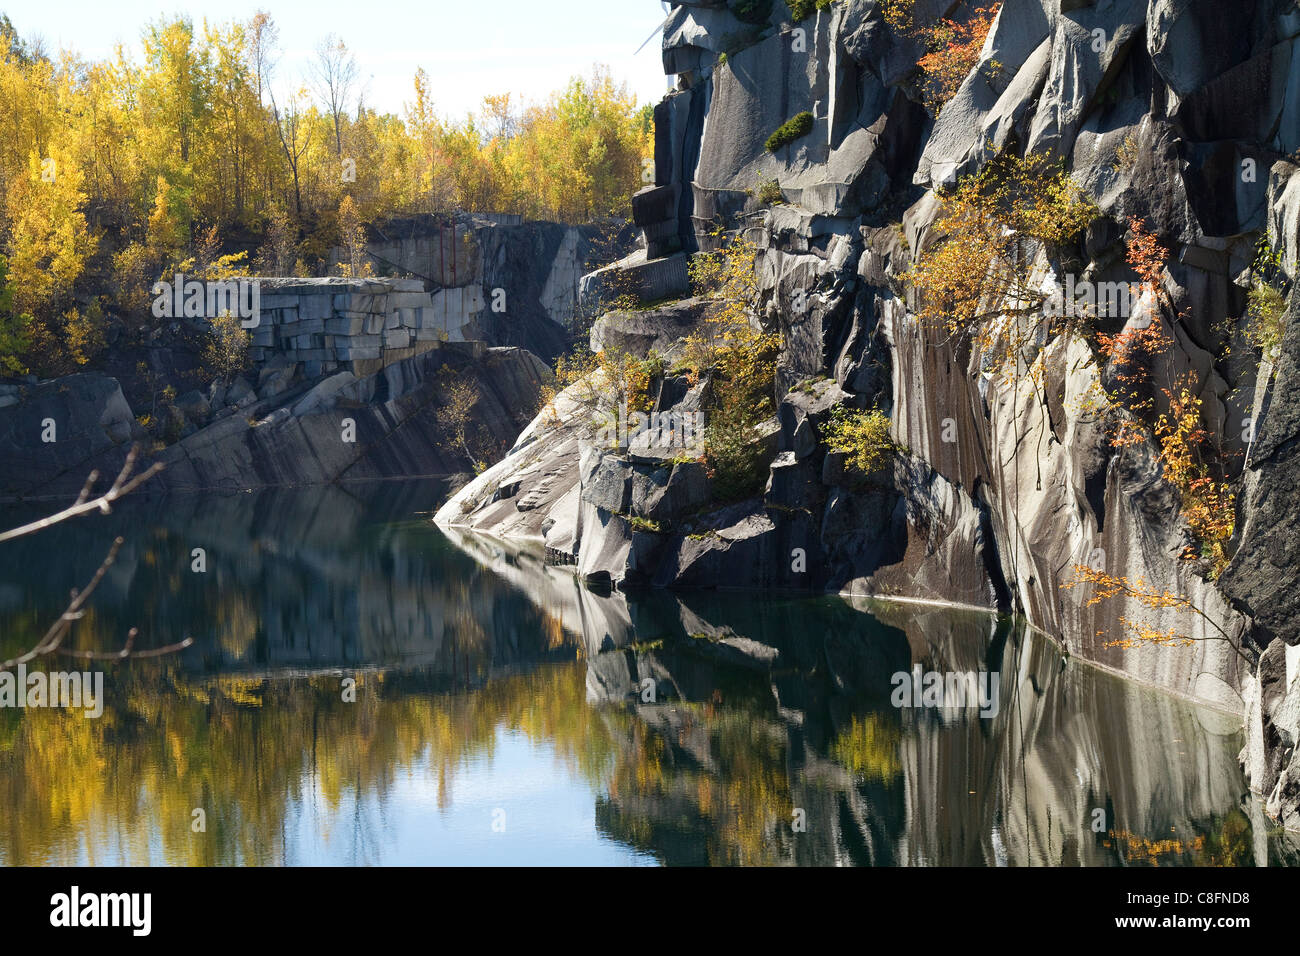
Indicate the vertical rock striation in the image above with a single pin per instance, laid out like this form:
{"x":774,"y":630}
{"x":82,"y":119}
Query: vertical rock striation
{"x":1160,"y":111}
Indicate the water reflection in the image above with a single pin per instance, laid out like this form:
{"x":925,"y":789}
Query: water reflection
{"x":505,"y":714}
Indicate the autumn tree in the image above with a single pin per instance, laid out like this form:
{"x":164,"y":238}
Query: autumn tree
{"x":953,"y":47}
{"x":455,"y":416}
{"x":1102,"y":587}
{"x":14,"y":334}
{"x":277,"y":255}
{"x":1206,"y":501}
{"x":225,"y":353}
{"x":334,"y":73}
{"x":48,"y":247}
{"x":863,"y":437}
{"x":352,"y":237}
{"x":731,"y":347}
{"x":114,"y":172}
{"x":980,"y":279}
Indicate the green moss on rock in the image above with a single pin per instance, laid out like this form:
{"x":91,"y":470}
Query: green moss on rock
{"x":791,"y":129}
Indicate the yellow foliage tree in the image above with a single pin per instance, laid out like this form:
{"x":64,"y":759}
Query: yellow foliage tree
{"x":731,"y":346}
{"x":48,"y":247}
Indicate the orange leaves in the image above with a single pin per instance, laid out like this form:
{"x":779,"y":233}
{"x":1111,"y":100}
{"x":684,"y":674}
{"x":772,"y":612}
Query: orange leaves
{"x":955,"y":49}
{"x":1106,"y":586}
{"x":1133,"y":351}
{"x":1208,"y":505}
{"x":1139,"y":848}
{"x":955,"y":278}
{"x":1132,"y":346}
{"x":1146,"y":254}
{"x":1131,"y":354}
{"x":1109,"y":587}
{"x":1144,"y":633}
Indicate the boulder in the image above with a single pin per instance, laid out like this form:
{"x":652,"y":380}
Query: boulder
{"x":57,"y":432}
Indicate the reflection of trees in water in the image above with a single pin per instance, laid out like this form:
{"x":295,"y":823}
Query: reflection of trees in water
{"x":880,"y":786}
{"x":257,"y":754}
{"x":308,"y":587}
{"x":253,"y":752}
{"x":273,"y":762}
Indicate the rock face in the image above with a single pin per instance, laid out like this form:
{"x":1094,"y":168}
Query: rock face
{"x":358,"y":324}
{"x":53,"y":434}
{"x":491,"y":278}
{"x":484,"y":295}
{"x":1006,"y":483}
{"x":292,"y":431}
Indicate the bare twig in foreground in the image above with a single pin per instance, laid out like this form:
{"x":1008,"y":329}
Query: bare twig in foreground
{"x":53,"y":639}
{"x":124,"y":484}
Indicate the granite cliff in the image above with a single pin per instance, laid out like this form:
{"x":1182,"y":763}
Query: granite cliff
{"x":1160,"y":112}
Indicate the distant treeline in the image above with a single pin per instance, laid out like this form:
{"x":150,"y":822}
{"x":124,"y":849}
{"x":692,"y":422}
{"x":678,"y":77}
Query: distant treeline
{"x":202,"y":158}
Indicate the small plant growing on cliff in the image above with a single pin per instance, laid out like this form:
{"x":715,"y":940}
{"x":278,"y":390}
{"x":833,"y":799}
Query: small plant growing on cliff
{"x":769,"y":194}
{"x":1126,"y":154}
{"x":730,"y":346}
{"x":606,"y":384}
{"x":1265,"y":315}
{"x":898,"y":14}
{"x":1131,"y":352}
{"x":1264,"y":319}
{"x":456,"y":415}
{"x":792,"y":129}
{"x":1208,"y":506}
{"x":751,"y":11}
{"x":862,"y":436}
{"x":955,"y":49}
{"x":803,"y":9}
{"x":225,"y":354}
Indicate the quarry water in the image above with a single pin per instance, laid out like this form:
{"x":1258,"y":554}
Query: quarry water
{"x":365,"y":688}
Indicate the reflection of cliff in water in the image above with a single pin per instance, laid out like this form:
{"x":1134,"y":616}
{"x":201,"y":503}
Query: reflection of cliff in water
{"x":765,"y":712}
{"x":786,"y":707}
{"x":296,"y":580}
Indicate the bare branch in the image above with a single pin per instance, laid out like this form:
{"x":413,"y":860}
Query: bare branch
{"x":53,"y":638}
{"x":59,"y":629}
{"x":124,"y":485}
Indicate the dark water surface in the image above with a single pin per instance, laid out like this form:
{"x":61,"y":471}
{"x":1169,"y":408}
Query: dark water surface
{"x":504,"y":714}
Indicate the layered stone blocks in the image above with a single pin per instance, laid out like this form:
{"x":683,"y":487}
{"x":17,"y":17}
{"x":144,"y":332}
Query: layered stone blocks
{"x":331,"y":322}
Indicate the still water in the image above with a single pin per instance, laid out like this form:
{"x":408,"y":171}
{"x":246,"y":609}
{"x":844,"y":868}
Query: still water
{"x":365,"y":689}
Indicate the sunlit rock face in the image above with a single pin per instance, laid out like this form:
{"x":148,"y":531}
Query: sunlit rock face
{"x":1007,"y":483}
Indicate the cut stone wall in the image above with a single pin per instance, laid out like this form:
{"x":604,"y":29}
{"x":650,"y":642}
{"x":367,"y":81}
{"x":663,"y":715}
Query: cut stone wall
{"x":519,"y":280}
{"x":363,"y":324}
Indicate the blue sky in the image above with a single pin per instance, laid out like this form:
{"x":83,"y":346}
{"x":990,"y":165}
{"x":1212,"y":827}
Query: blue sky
{"x":470,"y":48}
